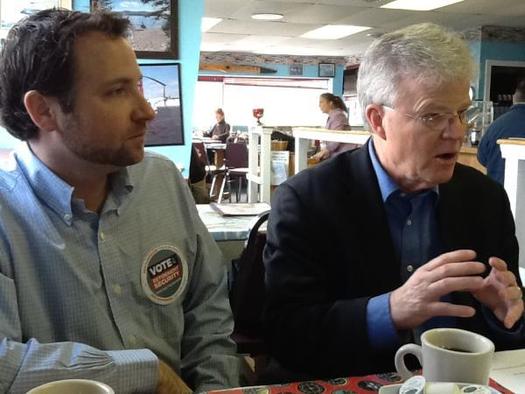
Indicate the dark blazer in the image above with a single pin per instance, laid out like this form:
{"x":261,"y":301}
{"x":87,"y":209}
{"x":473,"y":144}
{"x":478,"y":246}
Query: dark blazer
{"x":329,"y":250}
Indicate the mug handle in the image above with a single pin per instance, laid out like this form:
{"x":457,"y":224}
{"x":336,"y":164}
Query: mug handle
{"x":399,"y":359}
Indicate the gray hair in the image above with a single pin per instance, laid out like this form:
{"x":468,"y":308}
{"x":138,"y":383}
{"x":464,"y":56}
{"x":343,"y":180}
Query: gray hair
{"x":423,"y":52}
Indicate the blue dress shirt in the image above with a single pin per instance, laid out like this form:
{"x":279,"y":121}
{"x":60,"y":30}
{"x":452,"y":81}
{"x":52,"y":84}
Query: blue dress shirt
{"x":413,"y":227}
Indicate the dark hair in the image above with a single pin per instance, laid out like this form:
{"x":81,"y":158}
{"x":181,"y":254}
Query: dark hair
{"x":335,"y":100}
{"x":38,"y":55}
{"x":219,"y":111}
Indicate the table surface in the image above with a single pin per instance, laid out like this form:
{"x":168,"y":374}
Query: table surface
{"x":354,"y":385}
{"x":224,"y":228}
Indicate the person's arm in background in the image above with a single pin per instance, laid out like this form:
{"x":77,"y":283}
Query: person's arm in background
{"x":486,"y":147}
{"x":209,"y":133}
{"x":27,"y":364}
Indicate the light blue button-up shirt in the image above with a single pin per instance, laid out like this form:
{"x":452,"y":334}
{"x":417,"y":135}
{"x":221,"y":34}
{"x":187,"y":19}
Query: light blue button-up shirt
{"x":86,"y":295}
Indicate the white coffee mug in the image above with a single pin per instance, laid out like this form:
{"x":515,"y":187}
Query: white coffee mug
{"x":69,"y":386}
{"x":450,"y":355}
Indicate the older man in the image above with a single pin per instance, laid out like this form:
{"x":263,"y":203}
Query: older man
{"x":378,"y":244}
{"x":106,"y":271}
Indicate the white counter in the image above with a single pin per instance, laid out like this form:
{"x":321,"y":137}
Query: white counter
{"x":513,"y":151}
{"x":303,"y":135}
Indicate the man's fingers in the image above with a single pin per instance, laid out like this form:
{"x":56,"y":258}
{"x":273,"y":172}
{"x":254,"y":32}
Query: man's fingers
{"x":447,"y":309}
{"x":451,"y":284}
{"x":498,"y":264}
{"x":512,"y":293}
{"x":456,"y":270}
{"x":450,"y":257}
{"x":514,"y":313}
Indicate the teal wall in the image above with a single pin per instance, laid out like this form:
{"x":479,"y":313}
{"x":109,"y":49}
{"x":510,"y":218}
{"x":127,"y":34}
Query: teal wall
{"x":475,"y":50}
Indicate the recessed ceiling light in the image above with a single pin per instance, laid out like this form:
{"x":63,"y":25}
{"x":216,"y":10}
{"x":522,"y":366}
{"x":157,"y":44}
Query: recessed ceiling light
{"x":334,"y":32}
{"x":207,"y":23}
{"x":418,"y":5}
{"x":267,"y":16}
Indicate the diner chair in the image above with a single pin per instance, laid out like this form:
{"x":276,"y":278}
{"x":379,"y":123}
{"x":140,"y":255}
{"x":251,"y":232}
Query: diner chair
{"x":203,"y":155}
{"x":236,"y":163}
{"x":247,"y":295}
{"x":213,"y":173}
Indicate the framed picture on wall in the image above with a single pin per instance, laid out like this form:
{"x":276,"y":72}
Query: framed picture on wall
{"x":154,"y":25}
{"x":327,"y":69}
{"x":11,"y":11}
{"x":161,"y":88}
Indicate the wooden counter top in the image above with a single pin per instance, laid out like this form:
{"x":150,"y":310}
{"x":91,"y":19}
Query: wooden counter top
{"x":468,"y":155}
{"x":469,"y":149}
{"x":512,"y":141}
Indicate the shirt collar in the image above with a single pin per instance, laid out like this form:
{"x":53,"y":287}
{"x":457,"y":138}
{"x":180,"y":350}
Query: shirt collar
{"x":386,"y":184}
{"x":54,"y":191}
{"x":51,"y":189}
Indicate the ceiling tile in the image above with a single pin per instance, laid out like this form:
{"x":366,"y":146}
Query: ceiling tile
{"x":238,"y":29}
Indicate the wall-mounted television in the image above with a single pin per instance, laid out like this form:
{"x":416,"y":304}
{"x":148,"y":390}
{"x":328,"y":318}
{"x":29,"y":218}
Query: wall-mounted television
{"x":161,"y":86}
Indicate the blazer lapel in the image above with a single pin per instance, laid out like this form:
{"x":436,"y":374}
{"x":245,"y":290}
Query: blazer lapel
{"x":378,"y":247}
{"x":451,"y":216}
{"x":453,"y":224}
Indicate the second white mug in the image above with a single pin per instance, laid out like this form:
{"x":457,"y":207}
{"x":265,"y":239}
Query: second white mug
{"x":450,"y":355}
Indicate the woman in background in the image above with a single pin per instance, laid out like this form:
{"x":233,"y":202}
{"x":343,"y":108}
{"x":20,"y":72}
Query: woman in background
{"x":337,"y":120}
{"x":221,"y":130}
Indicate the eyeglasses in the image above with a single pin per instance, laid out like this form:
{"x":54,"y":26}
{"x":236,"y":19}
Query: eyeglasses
{"x":439,"y":121}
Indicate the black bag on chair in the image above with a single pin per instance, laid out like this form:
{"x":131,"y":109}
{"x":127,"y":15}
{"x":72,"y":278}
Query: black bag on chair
{"x":247,"y":290}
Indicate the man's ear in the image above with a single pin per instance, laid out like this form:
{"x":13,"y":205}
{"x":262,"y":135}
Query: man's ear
{"x":41,"y":109}
{"x":374,"y":114}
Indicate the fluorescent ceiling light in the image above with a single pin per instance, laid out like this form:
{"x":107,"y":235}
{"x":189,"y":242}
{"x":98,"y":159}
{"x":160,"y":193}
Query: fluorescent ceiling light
{"x":418,"y":5}
{"x":267,"y":16}
{"x":334,"y":32}
{"x":207,"y":23}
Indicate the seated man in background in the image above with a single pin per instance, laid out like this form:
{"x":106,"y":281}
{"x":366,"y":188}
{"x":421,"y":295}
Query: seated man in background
{"x":510,"y":124}
{"x":106,"y":271}
{"x":369,"y":249}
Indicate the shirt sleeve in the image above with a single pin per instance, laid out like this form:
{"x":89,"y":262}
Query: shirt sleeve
{"x":513,"y":336}
{"x":337,"y":120}
{"x":381,"y":331}
{"x":24,"y":366}
{"x":209,"y":359}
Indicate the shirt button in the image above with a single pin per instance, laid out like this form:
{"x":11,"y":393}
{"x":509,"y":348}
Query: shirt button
{"x":117,"y":289}
{"x":67,"y":217}
{"x":409,"y":222}
{"x":102,"y":236}
{"x":410,"y":268}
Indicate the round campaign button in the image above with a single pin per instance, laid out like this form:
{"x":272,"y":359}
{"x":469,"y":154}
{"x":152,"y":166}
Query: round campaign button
{"x":164,"y":274}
